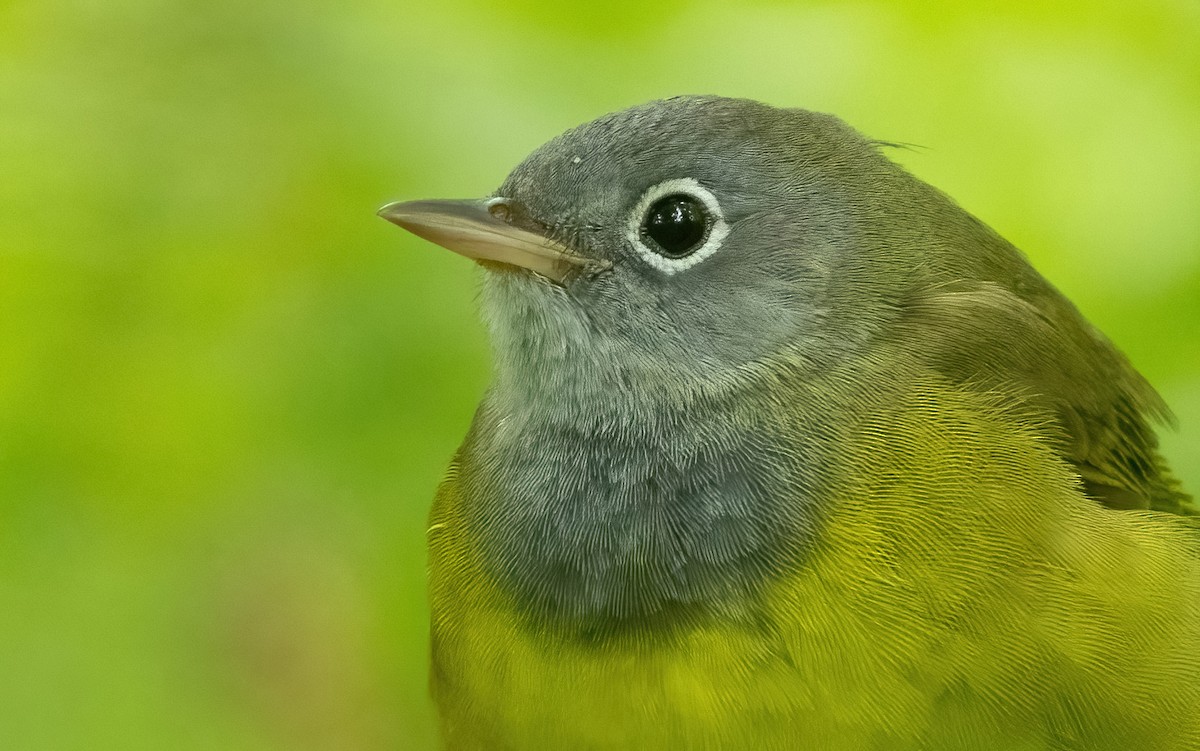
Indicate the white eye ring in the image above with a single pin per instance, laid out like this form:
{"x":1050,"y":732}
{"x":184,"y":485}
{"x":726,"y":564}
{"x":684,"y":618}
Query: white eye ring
{"x":717,"y":231}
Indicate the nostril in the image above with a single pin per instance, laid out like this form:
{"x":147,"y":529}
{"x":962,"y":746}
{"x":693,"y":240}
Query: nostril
{"x":498,"y":207}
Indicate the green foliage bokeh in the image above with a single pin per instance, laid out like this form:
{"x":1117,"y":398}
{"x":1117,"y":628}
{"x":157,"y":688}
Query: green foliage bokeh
{"x":227,"y":390}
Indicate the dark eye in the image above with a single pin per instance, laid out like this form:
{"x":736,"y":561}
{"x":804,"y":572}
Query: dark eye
{"x":678,"y":225}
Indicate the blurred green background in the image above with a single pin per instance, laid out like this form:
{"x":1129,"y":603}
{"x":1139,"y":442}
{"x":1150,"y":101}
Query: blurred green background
{"x":228,"y":390}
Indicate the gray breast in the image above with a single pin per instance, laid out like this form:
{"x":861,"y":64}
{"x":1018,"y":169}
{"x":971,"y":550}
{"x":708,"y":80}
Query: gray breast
{"x":601,"y":522}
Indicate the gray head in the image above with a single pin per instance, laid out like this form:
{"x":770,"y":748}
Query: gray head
{"x":717,"y":228}
{"x":702,"y":237}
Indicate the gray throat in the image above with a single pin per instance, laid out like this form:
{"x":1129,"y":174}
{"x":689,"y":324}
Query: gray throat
{"x":606,"y":514}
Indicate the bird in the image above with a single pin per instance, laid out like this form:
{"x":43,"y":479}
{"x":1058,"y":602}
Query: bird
{"x":783,"y":449}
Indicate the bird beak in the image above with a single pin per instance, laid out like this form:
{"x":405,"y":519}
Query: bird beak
{"x":476,"y":230}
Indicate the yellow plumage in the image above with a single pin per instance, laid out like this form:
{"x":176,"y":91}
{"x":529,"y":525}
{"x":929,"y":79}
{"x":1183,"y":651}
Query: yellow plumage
{"x":964,"y":595}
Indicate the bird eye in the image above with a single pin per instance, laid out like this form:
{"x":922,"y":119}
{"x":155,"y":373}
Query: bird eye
{"x":677,"y":224}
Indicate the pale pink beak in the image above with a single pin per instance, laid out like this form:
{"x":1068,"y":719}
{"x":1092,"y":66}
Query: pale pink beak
{"x":470,"y":228}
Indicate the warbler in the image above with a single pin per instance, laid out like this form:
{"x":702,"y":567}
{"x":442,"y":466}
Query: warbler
{"x":785,"y":450}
